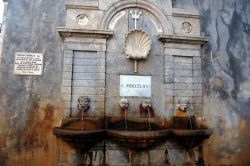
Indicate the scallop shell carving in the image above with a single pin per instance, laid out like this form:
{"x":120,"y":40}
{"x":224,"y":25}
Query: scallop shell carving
{"x":137,"y":44}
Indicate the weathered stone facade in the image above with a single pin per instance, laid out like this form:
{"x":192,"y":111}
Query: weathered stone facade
{"x":83,"y":53}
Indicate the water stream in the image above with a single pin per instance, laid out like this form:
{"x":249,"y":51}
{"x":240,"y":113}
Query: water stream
{"x":149,"y":125}
{"x":126,"y":124}
{"x":190,"y":121}
{"x":82,"y":119}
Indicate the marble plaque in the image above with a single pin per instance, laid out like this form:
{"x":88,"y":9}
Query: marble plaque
{"x":131,"y":85}
{"x":27,"y":63}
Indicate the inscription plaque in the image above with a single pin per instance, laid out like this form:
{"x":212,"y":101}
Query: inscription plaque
{"x":135,"y":86}
{"x":27,"y":63}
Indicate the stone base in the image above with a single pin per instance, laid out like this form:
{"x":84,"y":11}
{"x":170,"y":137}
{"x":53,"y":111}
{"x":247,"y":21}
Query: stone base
{"x":117,"y":155}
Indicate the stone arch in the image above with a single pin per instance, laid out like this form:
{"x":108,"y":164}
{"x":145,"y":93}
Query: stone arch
{"x":165,"y":23}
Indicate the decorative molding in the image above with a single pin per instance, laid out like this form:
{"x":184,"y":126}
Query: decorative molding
{"x":137,"y":44}
{"x":183,"y":39}
{"x":186,"y":27}
{"x":96,"y":33}
{"x":82,"y":19}
{"x":121,"y":5}
{"x":72,"y":6}
{"x":185,"y":13}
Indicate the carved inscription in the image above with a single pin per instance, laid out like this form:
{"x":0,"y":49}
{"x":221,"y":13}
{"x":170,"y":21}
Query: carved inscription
{"x":115,"y":19}
{"x":135,"y":86}
{"x":28,"y":63}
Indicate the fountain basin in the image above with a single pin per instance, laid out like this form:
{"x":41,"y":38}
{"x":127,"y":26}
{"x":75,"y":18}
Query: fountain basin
{"x":79,"y":139}
{"x":137,"y":136}
{"x":138,"y":140}
{"x":184,"y":123}
{"x":81,"y":134}
{"x":190,"y":138}
{"x":186,"y":132}
{"x":192,"y":133}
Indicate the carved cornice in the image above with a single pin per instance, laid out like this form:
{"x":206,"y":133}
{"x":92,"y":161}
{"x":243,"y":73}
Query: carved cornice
{"x":183,"y":39}
{"x":73,"y":6}
{"x":85,"y":33}
{"x":185,"y":13}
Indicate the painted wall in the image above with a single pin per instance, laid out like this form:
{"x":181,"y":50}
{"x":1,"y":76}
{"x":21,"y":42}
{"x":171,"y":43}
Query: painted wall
{"x":30,"y":105}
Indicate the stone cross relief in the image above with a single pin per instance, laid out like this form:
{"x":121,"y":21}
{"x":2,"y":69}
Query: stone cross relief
{"x":135,"y":15}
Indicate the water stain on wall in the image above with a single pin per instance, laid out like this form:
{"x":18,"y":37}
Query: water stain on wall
{"x":34,"y":142}
{"x":37,"y":126}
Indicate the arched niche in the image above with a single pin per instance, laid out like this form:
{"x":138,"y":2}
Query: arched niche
{"x":116,"y":62}
{"x":166,"y":25}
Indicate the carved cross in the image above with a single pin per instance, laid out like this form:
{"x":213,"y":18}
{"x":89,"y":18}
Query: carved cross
{"x":135,"y":15}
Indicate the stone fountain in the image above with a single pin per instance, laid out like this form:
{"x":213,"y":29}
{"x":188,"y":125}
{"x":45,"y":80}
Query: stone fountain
{"x":78,"y":136}
{"x":79,"y":132}
{"x":138,"y":134}
{"x":132,"y":83}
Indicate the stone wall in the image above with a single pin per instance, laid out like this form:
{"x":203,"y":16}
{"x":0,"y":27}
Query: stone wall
{"x":3,"y":15}
{"x":226,"y":78}
{"x":31,"y":106}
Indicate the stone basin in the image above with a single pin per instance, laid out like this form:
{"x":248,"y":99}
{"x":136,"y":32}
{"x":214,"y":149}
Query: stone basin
{"x":186,"y":123}
{"x":84,"y":134}
{"x":192,"y":133}
{"x":137,"y":136}
{"x":187,"y":132}
{"x":81,"y":134}
{"x":190,"y":138}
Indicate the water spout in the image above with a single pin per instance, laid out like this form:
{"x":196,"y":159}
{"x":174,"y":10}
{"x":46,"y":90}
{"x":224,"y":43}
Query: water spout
{"x":124,"y":104}
{"x":183,"y":110}
{"x":83,"y":106}
{"x":146,"y":108}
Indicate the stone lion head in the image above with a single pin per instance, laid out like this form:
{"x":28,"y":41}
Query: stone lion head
{"x":124,"y":104}
{"x":83,"y":103}
{"x":146,"y":103}
{"x":183,"y":104}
